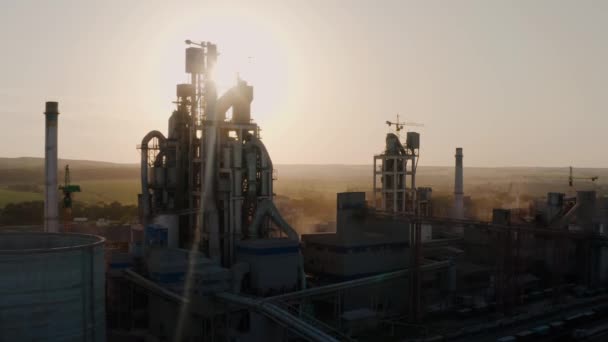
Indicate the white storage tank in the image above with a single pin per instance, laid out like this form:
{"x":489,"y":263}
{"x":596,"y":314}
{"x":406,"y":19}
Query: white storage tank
{"x":52,"y":287}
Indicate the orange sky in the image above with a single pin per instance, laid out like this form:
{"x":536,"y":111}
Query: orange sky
{"x":515,"y":83}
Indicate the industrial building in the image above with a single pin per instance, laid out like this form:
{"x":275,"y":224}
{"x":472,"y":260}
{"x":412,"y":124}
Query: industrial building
{"x":214,"y":260}
{"x":219,"y":261}
{"x":52,"y":283}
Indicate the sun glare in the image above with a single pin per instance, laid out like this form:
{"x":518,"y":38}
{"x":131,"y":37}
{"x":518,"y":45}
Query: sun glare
{"x":253,"y":51}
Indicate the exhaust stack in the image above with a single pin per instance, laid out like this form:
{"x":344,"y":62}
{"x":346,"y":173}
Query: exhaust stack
{"x":51,"y":195}
{"x":458,"y":186}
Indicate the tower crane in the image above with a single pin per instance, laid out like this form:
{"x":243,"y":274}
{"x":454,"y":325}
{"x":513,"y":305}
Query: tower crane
{"x":399,"y":125}
{"x":571,"y":178}
{"x":68,"y":189}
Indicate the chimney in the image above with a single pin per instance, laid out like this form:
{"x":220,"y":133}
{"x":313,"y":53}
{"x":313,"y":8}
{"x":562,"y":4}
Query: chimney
{"x":458,"y":186}
{"x":51,"y":195}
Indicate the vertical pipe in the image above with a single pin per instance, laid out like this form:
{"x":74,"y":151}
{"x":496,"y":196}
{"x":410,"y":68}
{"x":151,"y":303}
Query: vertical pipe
{"x":192,"y":129}
{"x":51,"y":207}
{"x":403,"y":178}
{"x":145,"y":192}
{"x":394,"y":179}
{"x":458,"y":186}
{"x":374,"y":186}
{"x":238,"y":193}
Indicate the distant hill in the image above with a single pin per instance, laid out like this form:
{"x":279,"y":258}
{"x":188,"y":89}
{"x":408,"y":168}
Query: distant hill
{"x":22,"y":179}
{"x":34,"y":162}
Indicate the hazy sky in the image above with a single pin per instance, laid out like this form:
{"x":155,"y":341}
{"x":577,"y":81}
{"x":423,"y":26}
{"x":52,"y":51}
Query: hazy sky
{"x":515,"y":83}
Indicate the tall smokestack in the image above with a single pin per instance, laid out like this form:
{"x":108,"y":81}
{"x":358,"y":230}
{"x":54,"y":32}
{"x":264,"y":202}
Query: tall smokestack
{"x":51,"y":205}
{"x":458,"y":186}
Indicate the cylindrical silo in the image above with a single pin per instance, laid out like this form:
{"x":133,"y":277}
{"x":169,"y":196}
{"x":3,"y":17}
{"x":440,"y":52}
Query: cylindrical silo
{"x":52,"y":287}
{"x":195,"y":60}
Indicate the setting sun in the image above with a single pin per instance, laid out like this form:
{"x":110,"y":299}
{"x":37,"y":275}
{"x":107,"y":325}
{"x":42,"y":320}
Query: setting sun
{"x":288,"y":171}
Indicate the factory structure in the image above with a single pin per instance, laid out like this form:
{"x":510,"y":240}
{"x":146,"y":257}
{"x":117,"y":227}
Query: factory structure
{"x":214,"y":260}
{"x":219,"y":262}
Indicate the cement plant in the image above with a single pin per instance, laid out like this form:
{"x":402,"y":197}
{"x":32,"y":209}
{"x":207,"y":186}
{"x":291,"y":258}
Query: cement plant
{"x":212,"y":257}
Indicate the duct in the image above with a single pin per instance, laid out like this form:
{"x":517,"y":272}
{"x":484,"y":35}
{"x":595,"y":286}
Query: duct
{"x":154,"y":287}
{"x":266,"y":165}
{"x":568,"y":216}
{"x":266,"y":208}
{"x":224,"y":103}
{"x":332,"y":288}
{"x":145,"y":194}
{"x":279,"y":315}
{"x":239,"y":98}
{"x":393,"y":145}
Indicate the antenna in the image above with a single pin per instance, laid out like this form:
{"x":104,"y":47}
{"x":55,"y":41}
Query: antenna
{"x":571,"y":178}
{"x":399,"y":125}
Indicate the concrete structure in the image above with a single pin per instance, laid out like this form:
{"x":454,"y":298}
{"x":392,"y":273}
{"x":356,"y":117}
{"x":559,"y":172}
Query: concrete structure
{"x":210,"y":222}
{"x":238,"y":274}
{"x":364,"y":243}
{"x":458,"y":186}
{"x":52,"y":287}
{"x":394,"y":183}
{"x":265,"y":257}
{"x":211,"y":170}
{"x":51,"y":190}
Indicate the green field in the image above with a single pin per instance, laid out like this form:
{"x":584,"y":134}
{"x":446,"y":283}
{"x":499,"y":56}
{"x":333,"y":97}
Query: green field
{"x":121,"y":190}
{"x":9,"y":196}
{"x":22,"y":179}
{"x":311,"y":189}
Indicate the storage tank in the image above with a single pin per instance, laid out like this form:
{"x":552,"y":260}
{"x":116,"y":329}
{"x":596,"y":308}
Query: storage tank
{"x":52,"y":287}
{"x":412,"y":140}
{"x":195,"y":60}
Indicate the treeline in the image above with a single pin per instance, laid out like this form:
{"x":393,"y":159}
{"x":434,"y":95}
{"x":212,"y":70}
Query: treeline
{"x":36,"y":175}
{"x":114,"y":211}
{"x":32,"y":213}
{"x":23,"y":213}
